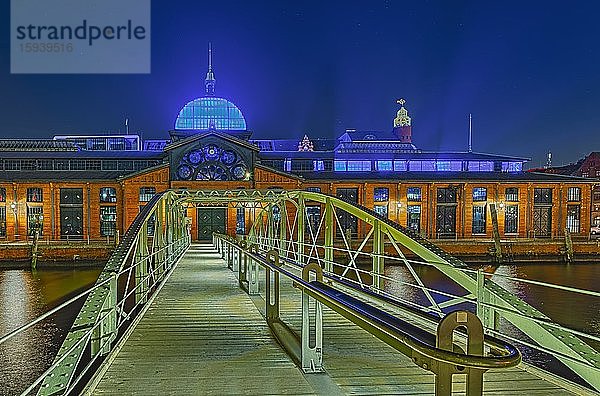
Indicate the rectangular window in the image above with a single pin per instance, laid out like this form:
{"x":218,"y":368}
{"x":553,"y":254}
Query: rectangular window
{"x":413,"y":194}
{"x":125,"y":165}
{"x":480,"y":194}
{"x":287,"y":165}
{"x":240,"y":224}
{"x":384,"y":165}
{"x":574,"y":194}
{"x":318,"y":165}
{"x":381,"y":210}
{"x":109,"y":165}
{"x":313,"y":217}
{"x":2,"y":221}
{"x":449,"y":166}
{"x":479,"y":219}
{"x":481,"y":166}
{"x":542,"y":196}
{"x":35,"y":220}
{"x":511,"y":219}
{"x":108,"y":220}
{"x":340,"y":166}
{"x":400,"y":166}
{"x":313,"y":189}
{"x":511,"y":194}
{"x":359,"y":166}
{"x":512,"y":166}
{"x":35,"y":194}
{"x":77,"y":164}
{"x":414,"y":218}
{"x":146,"y":193}
{"x":2,"y":194}
{"x":302,"y":165}
{"x":12,"y":164}
{"x":45,"y":164}
{"x":28,"y":164}
{"x":574,"y":218}
{"x":108,"y":194}
{"x":381,"y":194}
{"x":71,"y":196}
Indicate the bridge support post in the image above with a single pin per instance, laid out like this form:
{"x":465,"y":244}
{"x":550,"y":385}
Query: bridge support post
{"x":105,"y":331}
{"x":329,"y":228}
{"x":230,"y":254}
{"x":312,"y":352}
{"x":283,"y":248}
{"x":272,"y":287}
{"x":253,"y":272}
{"x":377,"y":256}
{"x":243,"y":265}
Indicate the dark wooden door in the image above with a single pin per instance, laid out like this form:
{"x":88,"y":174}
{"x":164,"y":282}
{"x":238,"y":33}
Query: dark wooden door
{"x":542,"y":221}
{"x":71,"y":222}
{"x":446,"y":221}
{"x":211,"y":220}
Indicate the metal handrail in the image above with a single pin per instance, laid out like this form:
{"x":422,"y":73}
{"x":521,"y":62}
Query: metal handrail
{"x":511,"y":358}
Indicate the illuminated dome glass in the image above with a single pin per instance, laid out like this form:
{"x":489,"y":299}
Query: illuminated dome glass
{"x":210,"y":113}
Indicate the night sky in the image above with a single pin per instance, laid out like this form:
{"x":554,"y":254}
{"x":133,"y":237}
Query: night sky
{"x":528,"y":71}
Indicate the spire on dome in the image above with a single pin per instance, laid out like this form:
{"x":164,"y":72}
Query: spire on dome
{"x":402,"y":118}
{"x":210,"y":81}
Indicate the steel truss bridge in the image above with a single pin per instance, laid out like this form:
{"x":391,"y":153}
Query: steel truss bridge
{"x":343,"y":272}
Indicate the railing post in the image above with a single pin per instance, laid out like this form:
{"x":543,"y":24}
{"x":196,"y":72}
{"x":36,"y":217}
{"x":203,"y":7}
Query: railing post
{"x":253,"y":272}
{"x":301,"y":229}
{"x":377,"y":256}
{"x":444,"y":340}
{"x":312,"y":356}
{"x":243,"y":265}
{"x":329,"y":229}
{"x":141,"y":265}
{"x":230,"y":254}
{"x":272,"y":290}
{"x":106,"y":330}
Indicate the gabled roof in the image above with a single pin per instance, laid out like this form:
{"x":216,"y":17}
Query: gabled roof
{"x":203,"y":135}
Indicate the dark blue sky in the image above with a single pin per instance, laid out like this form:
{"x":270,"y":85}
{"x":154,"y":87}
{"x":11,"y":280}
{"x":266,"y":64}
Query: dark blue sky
{"x":528,"y":71}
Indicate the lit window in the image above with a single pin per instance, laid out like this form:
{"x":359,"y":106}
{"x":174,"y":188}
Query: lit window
{"x":313,"y":189}
{"x":480,"y":194}
{"x":413,"y":194}
{"x":359,"y":166}
{"x":108,"y":220}
{"x":340,"y":166}
{"x":381,"y":210}
{"x":512,"y":166}
{"x":481,"y":166}
{"x":381,"y":194}
{"x":288,"y":165}
{"x":384,"y":165}
{"x":318,"y":165}
{"x":146,"y":193}
{"x":511,"y":194}
{"x":573,"y":218}
{"x":35,"y":194}
{"x":452,"y":166}
{"x":574,"y":194}
{"x":478,"y":219}
{"x":400,"y":166}
{"x":108,"y":194}
{"x":2,"y":194}
{"x":511,"y":219}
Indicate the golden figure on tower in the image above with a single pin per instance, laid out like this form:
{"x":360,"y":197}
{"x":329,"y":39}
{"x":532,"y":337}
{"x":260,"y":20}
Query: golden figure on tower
{"x":402,"y":118}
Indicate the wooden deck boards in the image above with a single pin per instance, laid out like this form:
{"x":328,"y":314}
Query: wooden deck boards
{"x":203,"y":335}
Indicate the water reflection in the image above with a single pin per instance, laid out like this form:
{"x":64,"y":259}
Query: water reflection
{"x":25,"y":295}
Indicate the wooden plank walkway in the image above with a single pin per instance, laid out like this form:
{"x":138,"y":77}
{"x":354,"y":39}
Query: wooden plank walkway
{"x":203,"y":335}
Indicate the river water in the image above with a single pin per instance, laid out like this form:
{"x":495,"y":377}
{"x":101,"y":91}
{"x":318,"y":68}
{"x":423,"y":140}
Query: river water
{"x":25,"y":295}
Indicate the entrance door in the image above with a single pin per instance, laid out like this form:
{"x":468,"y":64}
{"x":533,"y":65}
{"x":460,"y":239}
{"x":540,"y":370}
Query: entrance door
{"x":446,"y":221}
{"x":542,"y":221}
{"x":71,"y":222}
{"x":211,"y":220}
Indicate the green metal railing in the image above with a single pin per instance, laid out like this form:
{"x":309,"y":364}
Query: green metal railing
{"x":302,"y":239}
{"x":437,"y":354}
{"x":135,"y":271}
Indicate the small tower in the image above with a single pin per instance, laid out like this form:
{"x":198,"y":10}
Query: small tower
{"x":306,"y":144}
{"x":210,"y":81}
{"x":402,"y":127}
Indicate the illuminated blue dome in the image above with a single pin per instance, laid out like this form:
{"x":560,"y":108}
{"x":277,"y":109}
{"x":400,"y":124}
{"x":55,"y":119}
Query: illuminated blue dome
{"x":209,"y":113}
